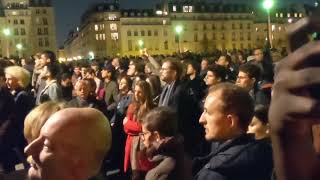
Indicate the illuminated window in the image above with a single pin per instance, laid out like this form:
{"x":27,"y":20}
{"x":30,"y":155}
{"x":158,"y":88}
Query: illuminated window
{"x":97,"y":37}
{"x":100,"y":36}
{"x":96,"y":27}
{"x":295,"y":15}
{"x":277,"y":15}
{"x":174,"y":8}
{"x":300,"y":15}
{"x":289,"y":15}
{"x":113,"y":27}
{"x":280,"y":28}
{"x":103,"y":36}
{"x":187,"y":9}
{"x":112,"y":17}
{"x":273,"y":27}
{"x":114,"y":36}
{"x":281,"y":15}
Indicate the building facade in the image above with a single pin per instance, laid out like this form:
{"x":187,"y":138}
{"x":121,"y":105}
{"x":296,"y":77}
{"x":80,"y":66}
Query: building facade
{"x":27,"y":27}
{"x":108,"y":30}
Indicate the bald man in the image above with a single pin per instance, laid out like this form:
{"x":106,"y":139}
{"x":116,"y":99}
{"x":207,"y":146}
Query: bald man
{"x":71,"y":146}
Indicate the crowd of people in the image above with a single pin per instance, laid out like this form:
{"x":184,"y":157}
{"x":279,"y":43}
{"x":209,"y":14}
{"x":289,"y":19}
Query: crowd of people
{"x":185,"y":116}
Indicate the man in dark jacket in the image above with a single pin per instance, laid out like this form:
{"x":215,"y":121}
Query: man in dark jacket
{"x":175,"y":96}
{"x":228,"y":111}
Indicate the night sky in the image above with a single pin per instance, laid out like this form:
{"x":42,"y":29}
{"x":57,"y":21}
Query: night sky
{"x":68,"y":12}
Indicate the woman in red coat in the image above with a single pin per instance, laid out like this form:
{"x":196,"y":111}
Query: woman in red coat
{"x":134,"y":150}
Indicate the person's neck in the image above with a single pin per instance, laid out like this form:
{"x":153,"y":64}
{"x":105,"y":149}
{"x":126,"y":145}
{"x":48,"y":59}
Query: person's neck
{"x":124,"y":92}
{"x":192,"y":76}
{"x":107,"y":80}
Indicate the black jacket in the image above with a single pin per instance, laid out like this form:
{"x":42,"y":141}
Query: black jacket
{"x":240,"y":158}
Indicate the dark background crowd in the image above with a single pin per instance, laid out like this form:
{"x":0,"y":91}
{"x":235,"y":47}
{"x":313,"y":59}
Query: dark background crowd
{"x":125,"y":89}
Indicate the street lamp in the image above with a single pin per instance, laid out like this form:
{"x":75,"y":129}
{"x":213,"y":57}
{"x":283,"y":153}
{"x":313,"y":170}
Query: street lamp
{"x":267,"y":5}
{"x":7,"y":33}
{"x":91,"y":55}
{"x":140,"y":43}
{"x":19,"y":47}
{"x":178,"y":30}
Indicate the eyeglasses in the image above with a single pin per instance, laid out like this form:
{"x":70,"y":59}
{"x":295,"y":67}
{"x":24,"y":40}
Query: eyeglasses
{"x":142,"y":135}
{"x":165,"y":69}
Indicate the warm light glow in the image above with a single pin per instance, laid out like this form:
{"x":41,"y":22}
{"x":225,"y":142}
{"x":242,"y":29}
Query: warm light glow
{"x":19,"y":46}
{"x":179,"y":29}
{"x":140,"y":42}
{"x":268,"y":4}
{"x":91,"y":55}
{"x":290,"y":20}
{"x":6,"y":32}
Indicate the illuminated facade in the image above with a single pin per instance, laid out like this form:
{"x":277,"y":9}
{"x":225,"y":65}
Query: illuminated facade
{"x":107,"y":30}
{"x":28,"y":23}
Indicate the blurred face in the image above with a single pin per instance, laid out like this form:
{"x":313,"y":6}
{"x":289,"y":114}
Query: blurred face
{"x":166,"y":73}
{"x":89,"y":76}
{"x":244,"y":81}
{"x":12,"y":82}
{"x":77,"y":71}
{"x":82,"y":90}
{"x":51,"y":154}
{"x":257,"y":128}
{"x":123,"y":85}
{"x":147,"y":137}
{"x":23,"y":62}
{"x":43,"y":60}
{"x":83,"y":71}
{"x":105,"y":74}
{"x":147,"y":69}
{"x":190,"y":70}
{"x":215,"y":122}
{"x":258,"y":55}
{"x":132,"y":70}
{"x":222,"y":61}
{"x":95,"y":68}
{"x":211,"y":79}
{"x":204,"y":65}
{"x":138,"y":94}
{"x":115,"y":62}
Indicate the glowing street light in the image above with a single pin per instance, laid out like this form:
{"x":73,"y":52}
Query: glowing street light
{"x":179,"y":30}
{"x":91,"y":55}
{"x":19,"y":47}
{"x":268,"y":5}
{"x":6,"y":32}
{"x":140,"y":43}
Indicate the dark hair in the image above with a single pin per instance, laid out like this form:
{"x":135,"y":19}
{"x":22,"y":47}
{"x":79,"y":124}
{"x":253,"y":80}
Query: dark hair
{"x":175,"y":66}
{"x":251,"y":70}
{"x":155,"y":85}
{"x":228,"y":58}
{"x":261,"y":113}
{"x":162,"y":119}
{"x":65,"y":76}
{"x":54,"y":70}
{"x":128,"y":79}
{"x":50,"y":55}
{"x":195,"y":65}
{"x":218,"y":71}
{"x":235,"y":100}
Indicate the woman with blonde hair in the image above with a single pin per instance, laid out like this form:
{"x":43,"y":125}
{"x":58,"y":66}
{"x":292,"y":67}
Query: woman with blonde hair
{"x":142,"y":103}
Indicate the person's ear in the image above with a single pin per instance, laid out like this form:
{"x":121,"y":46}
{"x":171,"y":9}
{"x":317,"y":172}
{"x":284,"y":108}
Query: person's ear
{"x":233,"y":120}
{"x":157,"y":136}
{"x":253,"y":80}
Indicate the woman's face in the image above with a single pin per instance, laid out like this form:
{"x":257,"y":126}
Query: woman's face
{"x":12,"y":82}
{"x":123,"y":84}
{"x":138,"y":94}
